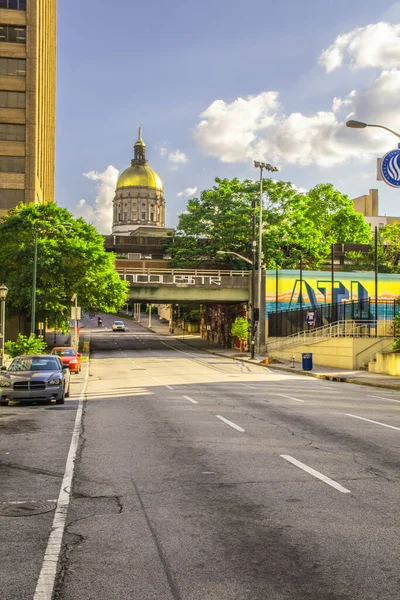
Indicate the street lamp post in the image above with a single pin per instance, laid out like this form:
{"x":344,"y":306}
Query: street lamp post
{"x":267,"y":167}
{"x":3,"y":295}
{"x":361,"y":125}
{"x":253,"y":290}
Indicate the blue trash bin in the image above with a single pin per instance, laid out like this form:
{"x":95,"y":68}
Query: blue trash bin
{"x":306,"y":360}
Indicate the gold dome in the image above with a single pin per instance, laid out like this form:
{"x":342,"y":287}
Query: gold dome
{"x":139,"y":176}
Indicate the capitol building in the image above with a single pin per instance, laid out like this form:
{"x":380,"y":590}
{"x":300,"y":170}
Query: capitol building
{"x":139,"y":200}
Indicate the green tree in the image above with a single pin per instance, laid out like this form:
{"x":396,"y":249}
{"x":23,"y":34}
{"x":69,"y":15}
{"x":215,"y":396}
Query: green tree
{"x":70,"y":259}
{"x":294,"y":224}
{"x":25,"y":345}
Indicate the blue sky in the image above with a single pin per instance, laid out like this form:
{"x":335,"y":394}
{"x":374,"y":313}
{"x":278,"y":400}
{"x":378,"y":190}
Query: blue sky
{"x":218,"y":83}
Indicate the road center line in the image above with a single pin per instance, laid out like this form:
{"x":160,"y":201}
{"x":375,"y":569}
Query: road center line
{"x":190,"y":399}
{"x":48,"y":572}
{"x":230,"y":423}
{"x":316,"y":474}
{"x":371,"y":421}
{"x":169,"y":387}
{"x":290,"y":397}
{"x":383,"y":398}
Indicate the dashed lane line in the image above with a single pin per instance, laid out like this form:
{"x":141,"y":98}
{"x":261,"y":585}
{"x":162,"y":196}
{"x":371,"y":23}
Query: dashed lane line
{"x":383,"y":398}
{"x":290,"y":397}
{"x":169,"y":387}
{"x":371,"y":421}
{"x":190,"y":399}
{"x":316,"y":474}
{"x":231,"y":424}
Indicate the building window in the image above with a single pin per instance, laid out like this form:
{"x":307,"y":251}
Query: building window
{"x":15,"y":34}
{"x":10,"y":198}
{"x":151,"y":216}
{"x":13,"y":4}
{"x":12,"y":99}
{"x":13,"y":66}
{"x":143,"y":216}
{"x":125,"y":216}
{"x":12,"y":164}
{"x":134,"y":216}
{"x":12,"y":133}
{"x":118,"y":216}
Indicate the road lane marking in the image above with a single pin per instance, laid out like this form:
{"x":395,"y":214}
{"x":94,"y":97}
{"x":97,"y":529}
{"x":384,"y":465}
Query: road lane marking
{"x":169,"y":387}
{"x":48,"y":572}
{"x":371,"y":421}
{"x":382,"y":398}
{"x":155,"y":379}
{"x":230,"y":423}
{"x":316,"y":474}
{"x":190,"y":399}
{"x":290,"y":398}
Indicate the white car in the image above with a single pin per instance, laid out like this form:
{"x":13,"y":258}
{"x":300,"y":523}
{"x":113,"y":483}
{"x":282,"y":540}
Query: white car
{"x":118,"y":326}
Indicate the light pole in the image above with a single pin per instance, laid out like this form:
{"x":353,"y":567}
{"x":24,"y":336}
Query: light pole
{"x":361,"y":125}
{"x":253,"y":290}
{"x":267,"y":167}
{"x":3,"y":295}
{"x":33,"y":310}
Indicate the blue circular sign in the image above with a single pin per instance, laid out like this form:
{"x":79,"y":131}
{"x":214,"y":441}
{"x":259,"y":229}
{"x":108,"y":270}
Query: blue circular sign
{"x":390,"y":168}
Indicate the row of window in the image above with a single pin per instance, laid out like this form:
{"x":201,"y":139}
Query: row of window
{"x":13,"y":33}
{"x":12,"y":99}
{"x":12,"y":164}
{"x":10,"y":198}
{"x":13,"y":66}
{"x":13,"y":4}
{"x":12,"y":133}
{"x":134,"y":216}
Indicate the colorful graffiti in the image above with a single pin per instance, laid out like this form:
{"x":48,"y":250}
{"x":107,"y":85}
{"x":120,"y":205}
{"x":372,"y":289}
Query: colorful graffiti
{"x":316,"y":286}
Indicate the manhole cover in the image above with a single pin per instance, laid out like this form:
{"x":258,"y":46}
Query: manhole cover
{"x":27,"y":509}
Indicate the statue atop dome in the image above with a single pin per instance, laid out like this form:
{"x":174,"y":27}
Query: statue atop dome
{"x":139,"y":199}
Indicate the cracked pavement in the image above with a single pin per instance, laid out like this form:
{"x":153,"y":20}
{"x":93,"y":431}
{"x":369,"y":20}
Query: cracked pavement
{"x":171,"y":503}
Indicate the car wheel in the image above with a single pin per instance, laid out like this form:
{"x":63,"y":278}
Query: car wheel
{"x":4,"y":403}
{"x":67,"y":393}
{"x":62,"y":399}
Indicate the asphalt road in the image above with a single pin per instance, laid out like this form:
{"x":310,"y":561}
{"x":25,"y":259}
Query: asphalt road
{"x":198,"y":477}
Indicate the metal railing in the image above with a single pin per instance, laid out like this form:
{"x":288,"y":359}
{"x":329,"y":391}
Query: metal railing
{"x":345,"y":328}
{"x":192,"y":272}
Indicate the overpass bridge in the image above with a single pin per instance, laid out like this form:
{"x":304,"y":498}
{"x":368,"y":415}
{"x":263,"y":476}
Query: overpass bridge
{"x":168,"y":286}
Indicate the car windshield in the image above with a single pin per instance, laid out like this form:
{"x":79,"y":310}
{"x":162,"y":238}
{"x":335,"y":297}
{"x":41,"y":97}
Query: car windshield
{"x":118,"y":323}
{"x":34,"y":364}
{"x":64,"y":352}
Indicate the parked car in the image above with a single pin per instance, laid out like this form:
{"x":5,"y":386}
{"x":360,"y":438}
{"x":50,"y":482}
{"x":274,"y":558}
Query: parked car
{"x":118,"y":326}
{"x":69,"y":356}
{"x":35,"y":378}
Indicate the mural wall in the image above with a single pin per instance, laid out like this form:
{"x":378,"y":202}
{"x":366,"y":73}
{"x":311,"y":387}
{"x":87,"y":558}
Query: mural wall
{"x":316,"y":288}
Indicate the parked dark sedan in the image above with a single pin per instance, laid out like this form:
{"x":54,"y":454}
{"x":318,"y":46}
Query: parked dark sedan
{"x":35,"y":378}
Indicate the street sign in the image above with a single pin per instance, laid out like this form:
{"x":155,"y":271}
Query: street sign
{"x":389,"y":167}
{"x":76,"y":313}
{"x":310,"y":318}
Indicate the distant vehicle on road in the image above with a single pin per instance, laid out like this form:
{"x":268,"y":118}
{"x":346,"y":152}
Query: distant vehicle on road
{"x":35,"y":378}
{"x":69,"y":356}
{"x":99,"y":322}
{"x":118,"y":326}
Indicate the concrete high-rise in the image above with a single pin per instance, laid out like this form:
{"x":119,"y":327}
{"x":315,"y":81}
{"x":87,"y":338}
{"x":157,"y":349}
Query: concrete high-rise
{"x":27,"y":101}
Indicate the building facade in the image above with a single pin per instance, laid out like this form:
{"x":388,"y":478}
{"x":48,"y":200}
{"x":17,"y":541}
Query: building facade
{"x":27,"y":101}
{"x":368,"y":206}
{"x":139,"y":198}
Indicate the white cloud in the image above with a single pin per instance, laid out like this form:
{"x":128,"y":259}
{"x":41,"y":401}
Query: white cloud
{"x":376,"y":45}
{"x":188,"y":192}
{"x":99,"y":213}
{"x":257,"y":127}
{"x":178,"y":157}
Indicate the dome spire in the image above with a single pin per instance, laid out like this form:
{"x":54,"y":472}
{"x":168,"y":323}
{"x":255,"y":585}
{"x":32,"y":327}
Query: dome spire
{"x":139,"y":155}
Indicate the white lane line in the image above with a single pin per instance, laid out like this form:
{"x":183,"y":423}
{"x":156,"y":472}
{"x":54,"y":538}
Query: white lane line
{"x":47,"y":576}
{"x":28,"y":501}
{"x":371,"y":421}
{"x":290,"y":397}
{"x":230,"y":423}
{"x":383,"y":398}
{"x":190,"y":399}
{"x":169,"y":387}
{"x":316,"y":474}
{"x":155,"y":379}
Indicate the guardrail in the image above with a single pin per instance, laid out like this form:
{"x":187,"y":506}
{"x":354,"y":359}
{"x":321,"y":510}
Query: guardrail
{"x":192,"y":272}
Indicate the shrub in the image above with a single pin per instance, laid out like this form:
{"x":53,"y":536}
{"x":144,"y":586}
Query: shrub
{"x":240,"y":328}
{"x":25,"y":345}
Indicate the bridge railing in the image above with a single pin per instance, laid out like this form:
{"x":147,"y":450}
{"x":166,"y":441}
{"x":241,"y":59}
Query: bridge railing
{"x":192,"y":272}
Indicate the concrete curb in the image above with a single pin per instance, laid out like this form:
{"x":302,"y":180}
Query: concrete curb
{"x":256,"y":362}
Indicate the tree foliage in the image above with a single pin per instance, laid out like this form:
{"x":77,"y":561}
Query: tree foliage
{"x":25,"y":345}
{"x":294,"y":224}
{"x":70,"y":259}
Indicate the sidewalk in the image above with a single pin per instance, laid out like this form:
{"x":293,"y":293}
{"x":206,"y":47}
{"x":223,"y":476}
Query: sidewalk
{"x":358,"y":377}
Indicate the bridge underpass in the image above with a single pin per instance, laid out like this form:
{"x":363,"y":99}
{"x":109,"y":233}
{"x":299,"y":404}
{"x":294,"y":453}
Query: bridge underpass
{"x":191,"y":286}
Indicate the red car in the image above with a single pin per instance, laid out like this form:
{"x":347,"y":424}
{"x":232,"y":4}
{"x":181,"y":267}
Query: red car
{"x":69,"y":356}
